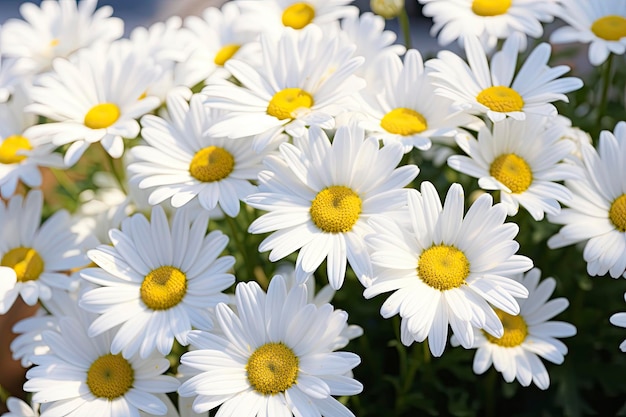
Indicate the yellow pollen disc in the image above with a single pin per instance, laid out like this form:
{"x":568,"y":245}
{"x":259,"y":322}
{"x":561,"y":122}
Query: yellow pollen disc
{"x":298,"y":15}
{"x":336,"y":209}
{"x":163,"y":288}
{"x":226,"y":53}
{"x":54,"y":42}
{"x":501,"y":99}
{"x":443,"y":267}
{"x":403,"y":121}
{"x":110,"y":376}
{"x":102,"y":116}
{"x":272,"y":368}
{"x":285,"y":103}
{"x":490,"y":7}
{"x":26,"y":263}
{"x":610,"y":28}
{"x":515,"y":330}
{"x":617,"y":213}
{"x":512,"y":171}
{"x":11,"y":146}
{"x":211,"y":164}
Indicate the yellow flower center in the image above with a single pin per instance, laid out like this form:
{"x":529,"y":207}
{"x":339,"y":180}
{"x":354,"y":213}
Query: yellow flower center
{"x":11,"y":146}
{"x":226,"y":53}
{"x":211,"y":164}
{"x":272,"y":368}
{"x":336,"y":209}
{"x":512,"y":171}
{"x":443,"y":267}
{"x":490,"y":7}
{"x":26,"y":263}
{"x":403,"y":121}
{"x":285,"y":103}
{"x":163,"y":288}
{"x":102,"y":116}
{"x":610,"y":28}
{"x":515,"y":330}
{"x":110,"y":376}
{"x":298,"y":15}
{"x":617,"y":213}
{"x":501,"y":99}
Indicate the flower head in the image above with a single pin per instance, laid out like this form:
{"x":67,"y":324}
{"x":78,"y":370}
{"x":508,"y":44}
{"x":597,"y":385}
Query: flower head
{"x":275,"y":355}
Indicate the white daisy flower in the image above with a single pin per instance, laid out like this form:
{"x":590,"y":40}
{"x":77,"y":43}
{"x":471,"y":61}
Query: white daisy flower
{"x":405,"y":109}
{"x":94,"y":98}
{"x":320,"y":195}
{"x":527,"y":336}
{"x":19,"y":408}
{"x":81,"y":375}
{"x":619,"y":320}
{"x":156,"y":281}
{"x":273,"y":357}
{"x":596,"y":214}
{"x":488,"y":20}
{"x":523,"y":159}
{"x":57,"y":29}
{"x":21,"y":154}
{"x":446,"y":268}
{"x":219,"y":35}
{"x":278,"y":14}
{"x":182,"y":162}
{"x":373,"y":42}
{"x":600,"y":23}
{"x":304,"y":77}
{"x":323,"y":296}
{"x":494,"y":89}
{"x":34,"y":257}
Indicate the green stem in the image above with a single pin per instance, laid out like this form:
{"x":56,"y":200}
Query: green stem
{"x":604,"y":94}
{"x":116,"y":169}
{"x":490,"y":386}
{"x":240,"y":247}
{"x":403,"y":19}
{"x":65,"y":182}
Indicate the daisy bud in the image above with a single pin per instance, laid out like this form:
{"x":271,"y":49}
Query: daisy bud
{"x":387,"y":8}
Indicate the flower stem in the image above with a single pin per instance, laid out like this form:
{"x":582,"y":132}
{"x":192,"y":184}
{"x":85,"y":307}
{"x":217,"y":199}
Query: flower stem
{"x":604,"y":93}
{"x":403,"y":19}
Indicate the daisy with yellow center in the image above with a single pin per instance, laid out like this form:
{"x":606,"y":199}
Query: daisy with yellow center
{"x":494,"y":88}
{"x":523,"y":160}
{"x":79,"y":374}
{"x":218,"y":36}
{"x":35,"y":256}
{"x":165,"y":281}
{"x":528,"y":336}
{"x":57,"y":29}
{"x":446,"y":267}
{"x":182,"y":163}
{"x":319,"y":197}
{"x":304,"y":76}
{"x":408,"y":110}
{"x":98,"y":103}
{"x":276,"y":15}
{"x":596,"y":214}
{"x":601,"y":24}
{"x":256,"y":361}
{"x":489,"y":20}
{"x":22,"y":153}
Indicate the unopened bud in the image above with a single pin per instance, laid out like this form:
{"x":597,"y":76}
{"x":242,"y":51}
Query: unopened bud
{"x":387,"y":8}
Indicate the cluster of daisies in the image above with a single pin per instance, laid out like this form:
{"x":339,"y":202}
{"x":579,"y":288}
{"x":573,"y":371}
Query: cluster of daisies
{"x":304,"y":119}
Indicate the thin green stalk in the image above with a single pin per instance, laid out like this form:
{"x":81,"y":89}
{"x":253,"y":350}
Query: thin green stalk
{"x":114,"y":167}
{"x":403,"y":19}
{"x":489,"y":398}
{"x":604,"y":93}
{"x":235,"y":232}
{"x":65,"y":182}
